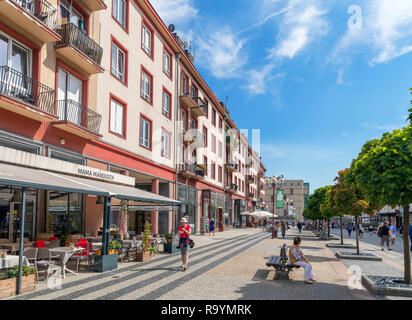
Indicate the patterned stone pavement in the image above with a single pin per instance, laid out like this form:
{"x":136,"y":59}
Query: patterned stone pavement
{"x":229,"y":266}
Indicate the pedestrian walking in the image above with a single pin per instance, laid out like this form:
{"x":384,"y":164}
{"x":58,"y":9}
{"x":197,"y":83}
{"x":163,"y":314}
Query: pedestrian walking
{"x":283,"y":229}
{"x":300,"y":227}
{"x":385,"y":234}
{"x":184,"y":233}
{"x":349,"y":229}
{"x":370,"y":229}
{"x":212,"y":226}
{"x":361,"y":230}
{"x":392,"y":228}
{"x":297,"y":258}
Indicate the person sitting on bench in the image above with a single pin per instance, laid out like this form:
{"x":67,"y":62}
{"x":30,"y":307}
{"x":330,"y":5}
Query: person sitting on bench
{"x":297,"y":258}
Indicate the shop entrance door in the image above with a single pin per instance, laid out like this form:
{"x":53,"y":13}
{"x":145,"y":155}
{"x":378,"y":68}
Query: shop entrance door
{"x":220,"y":214}
{"x":14,"y":220}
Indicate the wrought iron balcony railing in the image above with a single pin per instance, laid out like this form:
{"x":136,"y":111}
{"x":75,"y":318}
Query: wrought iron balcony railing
{"x":194,"y":169}
{"x":233,"y":187}
{"x":72,"y":35}
{"x":27,"y":90}
{"x":71,"y":111}
{"x":41,"y":9}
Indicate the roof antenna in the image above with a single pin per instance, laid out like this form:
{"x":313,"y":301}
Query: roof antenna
{"x":227,"y":98}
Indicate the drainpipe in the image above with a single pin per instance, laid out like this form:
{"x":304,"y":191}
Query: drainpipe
{"x":177,"y":110}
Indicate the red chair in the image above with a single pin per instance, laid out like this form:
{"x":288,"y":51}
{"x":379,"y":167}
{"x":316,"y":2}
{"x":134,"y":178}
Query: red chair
{"x":84,"y":255}
{"x":82,"y":241}
{"x":40,"y":244}
{"x":52,"y":238}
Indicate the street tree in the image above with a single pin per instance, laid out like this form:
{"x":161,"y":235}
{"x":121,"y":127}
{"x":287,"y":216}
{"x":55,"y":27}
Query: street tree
{"x":383,"y":171}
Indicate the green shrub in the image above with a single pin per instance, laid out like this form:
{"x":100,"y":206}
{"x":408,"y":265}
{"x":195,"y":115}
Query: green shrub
{"x":114,"y":244}
{"x":26,"y":271}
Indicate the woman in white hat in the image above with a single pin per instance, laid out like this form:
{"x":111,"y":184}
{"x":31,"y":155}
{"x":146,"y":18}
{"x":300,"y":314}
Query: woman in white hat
{"x":184,"y":233}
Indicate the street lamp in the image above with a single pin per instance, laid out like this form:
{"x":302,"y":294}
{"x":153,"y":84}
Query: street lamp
{"x":275,"y":181}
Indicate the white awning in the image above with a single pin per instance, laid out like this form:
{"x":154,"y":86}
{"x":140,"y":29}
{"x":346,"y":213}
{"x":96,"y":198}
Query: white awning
{"x":41,"y":179}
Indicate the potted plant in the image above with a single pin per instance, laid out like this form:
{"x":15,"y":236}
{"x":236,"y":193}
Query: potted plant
{"x":8,"y":286}
{"x":114,"y":247}
{"x":201,"y":166}
{"x":145,"y":253}
{"x":168,"y":246}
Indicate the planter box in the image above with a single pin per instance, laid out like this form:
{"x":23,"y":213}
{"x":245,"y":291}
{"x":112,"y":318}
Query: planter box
{"x":170,"y":248}
{"x":8,"y":287}
{"x":105,"y":263}
{"x":142,"y":256}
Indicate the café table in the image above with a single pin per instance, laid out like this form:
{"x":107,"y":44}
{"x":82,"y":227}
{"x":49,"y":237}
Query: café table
{"x":15,"y":246}
{"x":65,"y":254}
{"x":11,"y":261}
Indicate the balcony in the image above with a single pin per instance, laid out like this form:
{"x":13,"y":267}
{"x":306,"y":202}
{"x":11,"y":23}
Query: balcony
{"x":24,"y":95}
{"x":249,"y":163}
{"x":231,"y":167}
{"x":250,"y":179}
{"x":189,"y":97}
{"x":78,"y":49}
{"x":32,"y":18}
{"x":250,"y":195}
{"x":232,"y":188}
{"x":198,"y":110}
{"x":231,"y":141}
{"x":194,"y":136}
{"x":191,"y":171}
{"x":77,"y":119}
{"x":92,"y":5}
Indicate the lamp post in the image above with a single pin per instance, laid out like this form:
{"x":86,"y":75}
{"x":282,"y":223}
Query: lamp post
{"x":275,"y":181}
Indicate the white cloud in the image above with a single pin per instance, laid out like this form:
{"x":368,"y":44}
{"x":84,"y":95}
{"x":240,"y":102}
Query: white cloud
{"x":340,"y":81}
{"x":386,"y":31}
{"x":222,"y":53}
{"x":258,"y":79}
{"x":175,"y":11}
{"x":301,"y":25}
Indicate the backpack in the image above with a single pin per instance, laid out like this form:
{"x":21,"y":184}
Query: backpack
{"x":380,"y":232}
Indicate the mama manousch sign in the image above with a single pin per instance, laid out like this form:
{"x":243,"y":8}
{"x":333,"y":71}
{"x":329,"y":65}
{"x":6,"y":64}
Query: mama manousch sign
{"x":40,"y":162}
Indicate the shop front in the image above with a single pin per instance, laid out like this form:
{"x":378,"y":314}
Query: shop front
{"x":213,"y":208}
{"x":239,"y":207}
{"x":188,"y":197}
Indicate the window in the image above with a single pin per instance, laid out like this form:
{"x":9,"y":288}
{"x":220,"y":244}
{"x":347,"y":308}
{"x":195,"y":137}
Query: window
{"x":213,"y":171}
{"x":167,"y":98}
{"x":291,"y":191}
{"x":68,"y":14}
{"x":206,"y":108}
{"x":219,"y":174}
{"x":147,"y":39}
{"x":119,"y":58}
{"x":185,"y":84}
{"x":146,"y":86}
{"x":221,"y":124}
{"x":165,"y":144}
{"x":15,"y":56}
{"x":145,"y":133}
{"x":213,"y":143}
{"x":205,"y":164}
{"x":205,"y":136}
{"x":214,"y":117}
{"x":195,"y":92}
{"x":243,"y":186}
{"x":117,"y":112}
{"x":69,"y":96}
{"x":220,"y":150}
{"x":183,"y":117}
{"x":167,"y":63}
{"x":120,"y":12}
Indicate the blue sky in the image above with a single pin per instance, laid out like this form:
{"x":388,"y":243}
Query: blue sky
{"x":316,"y":86}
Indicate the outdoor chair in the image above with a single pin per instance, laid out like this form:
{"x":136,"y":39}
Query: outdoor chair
{"x":52,"y":238}
{"x":85,"y":255}
{"x":31,"y":256}
{"x":40,"y":244}
{"x":53,"y":244}
{"x":45,"y":261}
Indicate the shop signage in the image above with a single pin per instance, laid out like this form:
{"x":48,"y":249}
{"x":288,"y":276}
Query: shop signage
{"x":27,"y":159}
{"x":279,"y":199}
{"x":150,"y":208}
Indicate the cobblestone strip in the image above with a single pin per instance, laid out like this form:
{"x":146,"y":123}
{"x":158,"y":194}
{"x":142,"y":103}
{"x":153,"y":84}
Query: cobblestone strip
{"x":87,"y":280}
{"x":144,"y":273}
{"x":181,"y":280}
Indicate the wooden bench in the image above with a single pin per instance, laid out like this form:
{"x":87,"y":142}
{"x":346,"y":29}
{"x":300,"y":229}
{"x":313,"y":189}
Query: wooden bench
{"x":280,"y":263}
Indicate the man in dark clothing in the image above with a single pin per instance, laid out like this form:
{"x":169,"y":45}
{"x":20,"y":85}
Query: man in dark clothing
{"x":349,"y":229}
{"x":300,"y":227}
{"x":284,"y":227}
{"x":385,"y":234}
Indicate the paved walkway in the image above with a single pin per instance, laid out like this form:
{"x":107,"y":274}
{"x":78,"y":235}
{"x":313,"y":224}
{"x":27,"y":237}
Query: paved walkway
{"x":229,"y":266}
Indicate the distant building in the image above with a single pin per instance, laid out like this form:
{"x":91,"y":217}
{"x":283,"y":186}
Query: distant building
{"x":296,"y":191}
